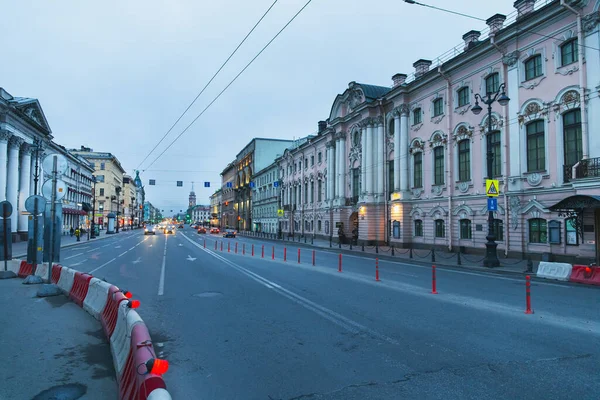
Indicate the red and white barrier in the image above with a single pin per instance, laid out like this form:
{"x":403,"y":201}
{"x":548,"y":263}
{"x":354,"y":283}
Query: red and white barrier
{"x":25,"y":269}
{"x":79,"y":291}
{"x":96,"y":298}
{"x":65,"y":283}
{"x":13,"y":265}
{"x":120,"y":344}
{"x":109,"y":315}
{"x":585,"y":274}
{"x":552,"y":270}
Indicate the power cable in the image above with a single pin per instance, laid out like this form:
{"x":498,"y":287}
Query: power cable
{"x":231,"y":83}
{"x":209,"y":82}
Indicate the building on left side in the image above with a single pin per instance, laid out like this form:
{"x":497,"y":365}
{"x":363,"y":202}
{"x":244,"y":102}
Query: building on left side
{"x":25,"y":139}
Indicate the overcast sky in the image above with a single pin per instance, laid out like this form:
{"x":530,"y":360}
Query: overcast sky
{"x":115,"y":75}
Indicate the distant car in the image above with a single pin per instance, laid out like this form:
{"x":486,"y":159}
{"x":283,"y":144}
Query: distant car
{"x":214,"y":230}
{"x":202,"y":230}
{"x":169,"y":229}
{"x":193,"y":226}
{"x":150,"y":230}
{"x":229,"y":233}
{"x":180,"y":226}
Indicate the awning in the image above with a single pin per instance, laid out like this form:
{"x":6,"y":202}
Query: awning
{"x":87,"y":207}
{"x":576,"y":203}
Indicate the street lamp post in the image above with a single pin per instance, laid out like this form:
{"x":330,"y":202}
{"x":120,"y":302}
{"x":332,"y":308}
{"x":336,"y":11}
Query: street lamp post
{"x":491,"y":256}
{"x":93,"y":225}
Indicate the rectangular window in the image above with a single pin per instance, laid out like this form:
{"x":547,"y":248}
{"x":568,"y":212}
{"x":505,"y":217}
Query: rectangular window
{"x":464,"y":160}
{"x":319,"y":159}
{"x":572,"y":137}
{"x":571,"y":232}
{"x":418,"y":170}
{"x":418,"y":227}
{"x":312,"y":192}
{"x":536,"y":149}
{"x":416,"y":116}
{"x":319,"y":189}
{"x":438,"y":162}
{"x":440,"y":228}
{"x":465,"y":229}
{"x":102,"y":166}
{"x":306,"y":193}
{"x":101,"y":207}
{"x":355,"y":183}
{"x":100,"y":178}
{"x":569,"y":52}
{"x":463,"y":96}
{"x":312,"y":161}
{"x":306,"y":162}
{"x":101,"y":191}
{"x":319,"y":223}
{"x":93,"y":165}
{"x":438,"y":107}
{"x":533,"y":67}
{"x":494,"y":143}
{"x":537,"y":230}
{"x":492,"y":83}
{"x":391,"y":187}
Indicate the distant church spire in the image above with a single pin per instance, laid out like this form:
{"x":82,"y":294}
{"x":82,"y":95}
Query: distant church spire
{"x":192,"y":199}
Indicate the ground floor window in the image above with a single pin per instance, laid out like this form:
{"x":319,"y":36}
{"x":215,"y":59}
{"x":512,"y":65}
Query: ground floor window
{"x":418,"y":227}
{"x":465,"y":229}
{"x":440,"y":228}
{"x":319,"y":225}
{"x":538,"y":230}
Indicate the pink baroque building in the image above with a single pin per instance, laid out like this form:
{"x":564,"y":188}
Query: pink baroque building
{"x":407,"y":165}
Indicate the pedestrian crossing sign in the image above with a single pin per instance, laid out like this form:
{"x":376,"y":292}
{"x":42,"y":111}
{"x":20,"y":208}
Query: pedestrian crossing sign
{"x":492,"y":187}
{"x":280,"y":213}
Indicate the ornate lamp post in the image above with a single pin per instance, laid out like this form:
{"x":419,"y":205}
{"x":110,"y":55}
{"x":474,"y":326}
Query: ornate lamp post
{"x":491,"y":257}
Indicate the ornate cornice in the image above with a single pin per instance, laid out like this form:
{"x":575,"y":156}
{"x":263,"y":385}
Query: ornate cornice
{"x":511,"y":59}
{"x":590,"y":21}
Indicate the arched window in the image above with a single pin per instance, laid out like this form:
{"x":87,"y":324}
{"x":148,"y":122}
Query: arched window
{"x":464,"y":160}
{"x":418,"y":227}
{"x":391,"y":127}
{"x":465,"y":229}
{"x":438,"y":165}
{"x":538,"y":230}
{"x":536,"y":146}
{"x":440,"y":228}
{"x":494,"y":141}
{"x":572,"y":137}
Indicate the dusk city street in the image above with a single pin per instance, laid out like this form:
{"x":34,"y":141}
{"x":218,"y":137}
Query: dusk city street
{"x":300,"y":200}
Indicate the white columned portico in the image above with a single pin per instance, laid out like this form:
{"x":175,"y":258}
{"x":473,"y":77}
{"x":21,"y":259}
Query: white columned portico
{"x":363,"y":159}
{"x":4,"y":137}
{"x":397,"y":158}
{"x":12,"y":193}
{"x":25,"y":184}
{"x":380,"y":158}
{"x":369,"y":165}
{"x":343,"y":164}
{"x":403,"y":158}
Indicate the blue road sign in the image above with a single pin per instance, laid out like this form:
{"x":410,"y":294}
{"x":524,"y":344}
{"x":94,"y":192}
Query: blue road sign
{"x":229,"y":184}
{"x":492,"y":204}
{"x":251,"y":184}
{"x":206,"y":184}
{"x":275,"y":184}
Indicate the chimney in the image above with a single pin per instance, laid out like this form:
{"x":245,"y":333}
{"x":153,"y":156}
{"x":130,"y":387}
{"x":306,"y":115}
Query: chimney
{"x":495,"y":22}
{"x":399,"y":79}
{"x":421,"y":67}
{"x":471,"y":39}
{"x":523,"y":7}
{"x":322,"y":126}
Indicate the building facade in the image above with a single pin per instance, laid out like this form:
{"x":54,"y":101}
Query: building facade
{"x":257,"y":155}
{"x":130,"y":206}
{"x":215,"y":208}
{"x":109,"y":196}
{"x":201,"y":213}
{"x":228,"y":211}
{"x":266,"y":199}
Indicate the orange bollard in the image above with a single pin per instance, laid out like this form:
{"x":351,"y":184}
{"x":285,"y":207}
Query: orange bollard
{"x":433,"y":281}
{"x":215,"y":245}
{"x":340,"y":264}
{"x":235,"y":247}
{"x":204,"y":243}
{"x":528,"y":294}
{"x":273,"y":253}
{"x":221,"y":246}
{"x":313,"y":257}
{"x":298,"y":256}
{"x":377,"y":269}
{"x":228,"y":247}
{"x":285,"y":254}
{"x":252,"y":250}
{"x":262,"y":252}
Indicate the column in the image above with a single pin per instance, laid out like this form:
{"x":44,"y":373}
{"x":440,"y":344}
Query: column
{"x":512,"y":62}
{"x":12,"y":193}
{"x":343,"y":167}
{"x":380,"y":157}
{"x":369,"y":165}
{"x":403,"y":158}
{"x":25,"y":184}
{"x":338,"y":168}
{"x":397,"y":136}
{"x":4,"y":137}
{"x":363,"y":159}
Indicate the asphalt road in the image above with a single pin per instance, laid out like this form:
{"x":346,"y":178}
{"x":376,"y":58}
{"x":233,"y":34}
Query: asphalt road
{"x":238,"y":326}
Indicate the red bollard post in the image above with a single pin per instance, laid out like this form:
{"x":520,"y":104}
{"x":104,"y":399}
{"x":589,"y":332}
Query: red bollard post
{"x":253,"y":250}
{"x":215,"y":245}
{"x":228,"y":247}
{"x":285,"y":254}
{"x":235,"y":247}
{"x":313,"y":257}
{"x":273,"y":253}
{"x":377,"y":269}
{"x":221,"y":246}
{"x":298,"y":256}
{"x":262,"y":252}
{"x":243,"y":249}
{"x":433,"y":281}
{"x":340,"y":264}
{"x":528,"y":294}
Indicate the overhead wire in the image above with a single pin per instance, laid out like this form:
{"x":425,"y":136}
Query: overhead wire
{"x":209,"y":82}
{"x":231,"y":82}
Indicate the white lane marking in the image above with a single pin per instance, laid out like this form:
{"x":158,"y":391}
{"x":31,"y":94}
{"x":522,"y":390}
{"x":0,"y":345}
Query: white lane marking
{"x":336,"y":318}
{"x":123,"y":253}
{"x":79,"y":263}
{"x":73,"y":256}
{"x":190,"y":258}
{"x":133,"y":247}
{"x":161,"y":283}
{"x":139,"y":260}
{"x":102,"y":266}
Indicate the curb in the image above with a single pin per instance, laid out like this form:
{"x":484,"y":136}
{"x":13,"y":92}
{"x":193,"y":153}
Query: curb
{"x":73,"y":244}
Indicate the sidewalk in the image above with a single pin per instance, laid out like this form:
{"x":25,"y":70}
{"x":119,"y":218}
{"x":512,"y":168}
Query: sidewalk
{"x":419,"y":256}
{"x":51,"y":348}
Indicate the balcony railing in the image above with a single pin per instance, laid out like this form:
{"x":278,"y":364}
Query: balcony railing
{"x":588,"y":168}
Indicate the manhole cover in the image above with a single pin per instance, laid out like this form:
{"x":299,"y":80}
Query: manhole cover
{"x":208,"y":294}
{"x":71,"y":391}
